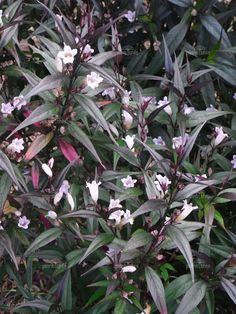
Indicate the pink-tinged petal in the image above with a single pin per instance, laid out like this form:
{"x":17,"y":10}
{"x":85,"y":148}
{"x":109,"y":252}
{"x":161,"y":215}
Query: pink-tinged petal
{"x":68,"y":150}
{"x":35,"y":176}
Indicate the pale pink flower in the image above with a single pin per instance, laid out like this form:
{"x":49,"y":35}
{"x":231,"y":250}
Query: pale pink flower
{"x":188,"y":110}
{"x":67,"y":54}
{"x":114,"y":204}
{"x":178,"y":143}
{"x":64,"y":190}
{"x":93,"y":80}
{"x":129,"y":269}
{"x":6,"y":109}
{"x":163,"y":102}
{"x":162,"y":184}
{"x":117,"y":215}
{"x":186,"y":210}
{"x":128,"y":182}
{"x":16,"y":145}
{"x":159,"y":141}
{"x":130,"y":16}
{"x":129,"y":141}
{"x":233,"y":161}
{"x":110,"y":91}
{"x":23,"y":222}
{"x":51,"y":214}
{"x":127,"y":218}
{"x":127,"y":120}
{"x":47,"y":167}
{"x":18,"y":102}
{"x":220,"y":135}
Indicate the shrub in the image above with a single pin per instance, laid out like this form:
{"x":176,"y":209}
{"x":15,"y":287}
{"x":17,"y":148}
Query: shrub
{"x":117,"y":156}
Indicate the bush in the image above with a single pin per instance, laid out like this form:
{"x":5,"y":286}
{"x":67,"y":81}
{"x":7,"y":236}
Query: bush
{"x":117,"y":156}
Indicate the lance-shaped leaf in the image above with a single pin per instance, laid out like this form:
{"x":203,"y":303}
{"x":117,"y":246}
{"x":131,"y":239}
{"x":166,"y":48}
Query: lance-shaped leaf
{"x":229,"y":288}
{"x":168,"y":61}
{"x":43,"y":239}
{"x":5,"y":185}
{"x":99,"y":241}
{"x":125,"y":153}
{"x":181,"y":241}
{"x":39,"y":114}
{"x":156,"y":289}
{"x":6,"y":166}
{"x":161,"y":162}
{"x":192,"y":298}
{"x":68,"y":150}
{"x":102,"y":57}
{"x":151,"y":205}
{"x":139,"y":238}
{"x":5,"y":243}
{"x":43,"y":305}
{"x":38,"y":144}
{"x":193,"y":188}
{"x":82,"y":137}
{"x":64,"y":291}
{"x":81,"y":213}
{"x":198,"y":117}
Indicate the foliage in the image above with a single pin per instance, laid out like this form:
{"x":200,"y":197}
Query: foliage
{"x":117,"y":165}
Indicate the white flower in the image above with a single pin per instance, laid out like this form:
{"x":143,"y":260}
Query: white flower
{"x":159,"y":141}
{"x":211,"y":108}
{"x":117,"y":215}
{"x":129,"y":269}
{"x":200,"y":177}
{"x":127,"y":218}
{"x":129,"y":141}
{"x":114,"y":204}
{"x":93,"y":190}
{"x":128,"y":120}
{"x":162,"y":184}
{"x":67,"y":54}
{"x":128,"y":182}
{"x":186,"y":210}
{"x":1,"y":22}
{"x":6,"y":109}
{"x":109,"y":92}
{"x":93,"y":80}
{"x":188,"y":110}
{"x":51,"y":214}
{"x":18,"y":102}
{"x":220,"y":135}
{"x":163,"y":102}
{"x":179,"y":142}
{"x":130,"y":16}
{"x":126,"y":98}
{"x":86,"y":52}
{"x":47,"y":167}
{"x":16,"y":145}
{"x":23,"y":222}
{"x":150,"y":99}
{"x":87,"y":49}
{"x":64,"y":190}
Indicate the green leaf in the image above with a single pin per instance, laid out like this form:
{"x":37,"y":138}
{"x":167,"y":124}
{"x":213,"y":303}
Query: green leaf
{"x":81,"y":213}
{"x":156,"y":289}
{"x":39,"y":114}
{"x":229,"y":194}
{"x":5,"y":243}
{"x":43,"y":239}
{"x":149,"y":206}
{"x":38,"y":144}
{"x":65,"y":287}
{"x":193,"y":188}
{"x":43,"y":305}
{"x":120,"y":307}
{"x":198,"y":117}
{"x":138,"y":239}
{"x":178,"y":287}
{"x":181,"y":241}
{"x":229,"y":288}
{"x":5,"y":185}
{"x":6,"y":166}
{"x":192,"y":298}
{"x":125,"y":153}
{"x":102,"y":57}
{"x":99,"y":241}
{"x":82,"y":137}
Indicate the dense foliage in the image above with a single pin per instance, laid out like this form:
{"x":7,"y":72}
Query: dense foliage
{"x":117,"y":160}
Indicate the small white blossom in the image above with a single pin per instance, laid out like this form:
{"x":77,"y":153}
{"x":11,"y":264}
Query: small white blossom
{"x":16,"y":145}
{"x":128,"y":182}
{"x":150,"y":99}
{"x":117,"y":215}
{"x":109,"y":92}
{"x":130,"y":16}
{"x":159,"y":141}
{"x":162,"y":184}
{"x":86,"y":52}
{"x":186,"y":210}
{"x":211,"y":108}
{"x":1,"y":22}
{"x":220,"y":135}
{"x":64,"y":190}
{"x":17,"y":213}
{"x":233,"y":162}
{"x":6,"y":109}
{"x":200,"y":177}
{"x":47,"y":167}
{"x":67,"y":54}
{"x":126,"y":98}
{"x":93,"y":80}
{"x":129,"y":269}
{"x":129,"y":141}
{"x":188,"y":110}
{"x":93,"y":190}
{"x":127,"y":218}
{"x":51,"y":214}
{"x":163,"y":102}
{"x":18,"y":102}
{"x":23,"y":222}
{"x":178,"y":143}
{"x":114,"y":204}
{"x":128,"y":120}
